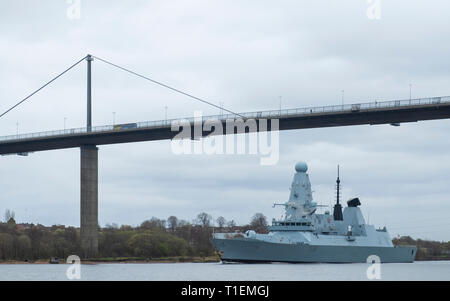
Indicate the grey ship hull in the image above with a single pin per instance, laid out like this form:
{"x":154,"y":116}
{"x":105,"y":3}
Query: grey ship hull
{"x":252,"y":250}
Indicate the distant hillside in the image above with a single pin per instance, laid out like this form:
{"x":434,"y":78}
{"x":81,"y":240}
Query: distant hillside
{"x":426,"y":249}
{"x":154,"y":238}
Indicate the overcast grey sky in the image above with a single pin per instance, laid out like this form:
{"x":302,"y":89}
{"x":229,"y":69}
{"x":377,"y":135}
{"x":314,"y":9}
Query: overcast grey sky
{"x":245,"y":54}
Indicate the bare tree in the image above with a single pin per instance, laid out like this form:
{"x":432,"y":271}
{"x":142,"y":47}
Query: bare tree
{"x":231,"y":224}
{"x":182,"y":223}
{"x":9,"y":214}
{"x":172,"y":222}
{"x":221,"y":221}
{"x":154,"y":222}
{"x":259,"y":223}
{"x":204,"y":219}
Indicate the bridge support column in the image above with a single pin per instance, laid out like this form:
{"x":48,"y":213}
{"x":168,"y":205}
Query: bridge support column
{"x":89,"y":201}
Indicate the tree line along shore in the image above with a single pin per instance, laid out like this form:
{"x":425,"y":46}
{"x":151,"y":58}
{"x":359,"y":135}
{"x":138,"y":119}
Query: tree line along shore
{"x":154,"y":240}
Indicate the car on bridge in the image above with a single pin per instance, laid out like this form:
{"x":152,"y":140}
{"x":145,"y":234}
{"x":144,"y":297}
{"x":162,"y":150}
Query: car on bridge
{"x":124,"y":126}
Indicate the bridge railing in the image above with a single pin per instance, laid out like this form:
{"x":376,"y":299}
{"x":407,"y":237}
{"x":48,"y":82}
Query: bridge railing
{"x":355,"y":107}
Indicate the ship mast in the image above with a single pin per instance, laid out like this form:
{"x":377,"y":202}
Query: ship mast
{"x":337,"y":212}
{"x":338,"y":181}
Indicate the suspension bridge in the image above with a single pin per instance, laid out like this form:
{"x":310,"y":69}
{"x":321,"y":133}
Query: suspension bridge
{"x":89,"y":137}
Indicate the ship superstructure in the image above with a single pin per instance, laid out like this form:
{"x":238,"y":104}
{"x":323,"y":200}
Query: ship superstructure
{"x":305,"y":236}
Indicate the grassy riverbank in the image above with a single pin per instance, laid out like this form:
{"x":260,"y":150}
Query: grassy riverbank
{"x":174,"y":259}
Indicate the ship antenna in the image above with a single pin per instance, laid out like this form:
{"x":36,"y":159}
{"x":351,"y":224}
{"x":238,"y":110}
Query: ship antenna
{"x":337,"y":212}
{"x":338,"y":181}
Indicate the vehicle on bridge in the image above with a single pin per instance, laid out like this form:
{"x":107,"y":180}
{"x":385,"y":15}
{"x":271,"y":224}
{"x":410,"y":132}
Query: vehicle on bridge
{"x":124,"y":126}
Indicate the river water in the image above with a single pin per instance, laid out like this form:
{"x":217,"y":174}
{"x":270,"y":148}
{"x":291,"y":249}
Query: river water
{"x":422,"y":270}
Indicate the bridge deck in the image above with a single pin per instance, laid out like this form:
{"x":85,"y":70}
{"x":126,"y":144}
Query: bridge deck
{"x":386,"y":112}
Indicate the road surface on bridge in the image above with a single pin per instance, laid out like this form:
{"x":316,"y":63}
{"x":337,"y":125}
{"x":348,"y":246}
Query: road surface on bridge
{"x":386,"y":112}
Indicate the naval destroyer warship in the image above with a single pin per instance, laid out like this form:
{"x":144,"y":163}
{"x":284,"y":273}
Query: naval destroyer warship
{"x":304,"y":236}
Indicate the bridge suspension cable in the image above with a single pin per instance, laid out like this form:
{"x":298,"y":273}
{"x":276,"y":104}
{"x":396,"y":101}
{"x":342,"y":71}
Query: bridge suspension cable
{"x":42,"y":87}
{"x":167,"y":86}
{"x":124,"y":69}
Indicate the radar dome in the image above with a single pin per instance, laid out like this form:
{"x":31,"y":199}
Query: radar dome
{"x":301,"y":167}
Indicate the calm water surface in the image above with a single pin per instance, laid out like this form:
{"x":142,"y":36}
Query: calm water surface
{"x":430,"y":270}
